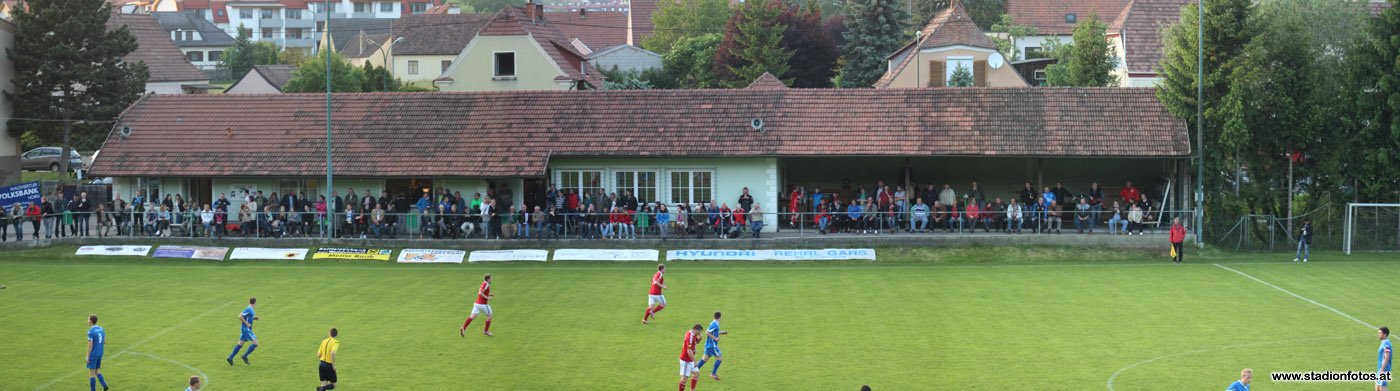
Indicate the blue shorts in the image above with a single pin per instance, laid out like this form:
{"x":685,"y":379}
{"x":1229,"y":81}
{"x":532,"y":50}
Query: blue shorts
{"x":94,"y":362}
{"x":712,"y":350}
{"x":247,"y":335}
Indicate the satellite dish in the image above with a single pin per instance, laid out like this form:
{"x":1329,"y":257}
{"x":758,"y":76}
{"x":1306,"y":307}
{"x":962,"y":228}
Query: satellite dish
{"x":757,"y":124}
{"x":996,"y":60}
{"x":126,"y":131}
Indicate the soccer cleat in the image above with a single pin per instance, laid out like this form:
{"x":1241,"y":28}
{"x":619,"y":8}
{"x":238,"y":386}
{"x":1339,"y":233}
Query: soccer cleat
{"x":230,"y":361}
{"x":1295,"y":259}
{"x":487,"y":333}
{"x":462,"y":332}
{"x":245,"y":360}
{"x":714,"y":376}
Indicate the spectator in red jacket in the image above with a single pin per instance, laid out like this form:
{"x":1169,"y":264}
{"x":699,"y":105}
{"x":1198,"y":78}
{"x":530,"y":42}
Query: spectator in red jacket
{"x":740,"y":222}
{"x":629,"y":229}
{"x":1178,"y":235}
{"x":1129,"y":193}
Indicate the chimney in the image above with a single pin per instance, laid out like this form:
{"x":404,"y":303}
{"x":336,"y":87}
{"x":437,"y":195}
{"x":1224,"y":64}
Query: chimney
{"x":583,"y":13}
{"x":534,"y":11}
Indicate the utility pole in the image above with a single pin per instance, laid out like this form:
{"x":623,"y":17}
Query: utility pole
{"x":1200,"y":145}
{"x":330,"y":168}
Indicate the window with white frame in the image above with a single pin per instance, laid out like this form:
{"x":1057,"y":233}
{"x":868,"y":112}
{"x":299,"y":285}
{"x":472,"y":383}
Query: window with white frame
{"x":691,"y":187}
{"x":293,"y":14}
{"x":641,"y":183}
{"x":386,"y":7}
{"x":215,"y":55}
{"x":413,"y":67}
{"x":581,"y":181}
{"x":246,"y":13}
{"x":446,"y":64}
{"x":418,"y":8}
{"x":361,"y":7}
{"x":267,"y":13}
{"x":195,"y":56}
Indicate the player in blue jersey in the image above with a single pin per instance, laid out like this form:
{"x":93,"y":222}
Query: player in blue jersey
{"x":245,"y":320}
{"x":1383,"y":358}
{"x":712,"y":347}
{"x":1246,"y":376}
{"x":97,"y":338}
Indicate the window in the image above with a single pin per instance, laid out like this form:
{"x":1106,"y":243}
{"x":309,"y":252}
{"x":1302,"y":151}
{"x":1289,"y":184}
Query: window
{"x":1040,"y":77}
{"x":268,"y":33}
{"x":446,"y":64}
{"x":1034,"y":52}
{"x":413,"y":67}
{"x":266,"y":13}
{"x":295,"y":33}
{"x":361,"y":7}
{"x":195,"y":56}
{"x":1071,"y":18}
{"x":953,"y":64}
{"x":215,"y":55}
{"x":199,"y":14}
{"x":418,"y":8}
{"x":220,"y":12}
{"x":386,"y":7}
{"x":245,"y":13}
{"x":641,"y":183}
{"x":689,"y":187}
{"x":583,"y":182}
{"x":293,"y":14}
{"x":152,"y":187}
{"x":505,"y":64}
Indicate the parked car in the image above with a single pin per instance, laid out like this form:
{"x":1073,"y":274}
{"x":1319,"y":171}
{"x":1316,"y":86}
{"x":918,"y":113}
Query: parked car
{"x":46,"y":158}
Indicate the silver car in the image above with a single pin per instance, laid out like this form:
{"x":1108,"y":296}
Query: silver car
{"x":46,"y":158}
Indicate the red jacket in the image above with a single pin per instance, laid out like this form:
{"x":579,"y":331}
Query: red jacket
{"x":1178,"y":233}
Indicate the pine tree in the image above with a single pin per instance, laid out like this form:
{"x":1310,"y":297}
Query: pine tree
{"x":310,"y":76}
{"x":239,"y":58}
{"x":1088,"y":62}
{"x":68,"y":66}
{"x":961,"y":77}
{"x":1374,"y":149}
{"x":752,"y":45}
{"x":875,"y":29}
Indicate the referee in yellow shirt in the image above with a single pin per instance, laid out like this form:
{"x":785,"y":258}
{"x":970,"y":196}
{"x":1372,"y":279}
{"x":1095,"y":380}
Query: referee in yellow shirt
{"x":326,"y":353}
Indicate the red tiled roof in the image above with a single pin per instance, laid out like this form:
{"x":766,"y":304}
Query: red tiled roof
{"x":952,"y":26}
{"x":436,"y":34}
{"x":1141,"y":24}
{"x":1048,"y":16}
{"x":165,"y":60}
{"x":767,"y":81}
{"x":220,"y":13}
{"x":597,"y":29}
{"x":514,"y":134}
{"x":640,"y":12}
{"x":514,"y":21}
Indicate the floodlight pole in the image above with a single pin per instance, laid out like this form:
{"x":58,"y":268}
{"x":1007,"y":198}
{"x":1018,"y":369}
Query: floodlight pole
{"x":330,"y":168}
{"x":1200,"y":146}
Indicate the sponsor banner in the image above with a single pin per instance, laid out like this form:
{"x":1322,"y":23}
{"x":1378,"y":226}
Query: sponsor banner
{"x":352,"y":253}
{"x":508,"y":255}
{"x":827,"y":254}
{"x":418,"y":255}
{"x":191,"y":252}
{"x":268,"y":253}
{"x":139,"y":251}
{"x":571,"y":254}
{"x":21,"y":193}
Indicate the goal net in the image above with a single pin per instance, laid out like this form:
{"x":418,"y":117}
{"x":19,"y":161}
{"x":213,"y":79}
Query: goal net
{"x":1372,"y":228}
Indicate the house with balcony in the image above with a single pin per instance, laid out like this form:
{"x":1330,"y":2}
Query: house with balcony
{"x":202,"y":42}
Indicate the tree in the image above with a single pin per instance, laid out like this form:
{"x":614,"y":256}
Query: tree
{"x":752,"y":45}
{"x":814,"y":52}
{"x":76,"y":74}
{"x":310,"y":76}
{"x":377,"y":79}
{"x":691,"y":61}
{"x":292,"y":56}
{"x":1088,"y":62}
{"x":678,"y":19}
{"x":984,"y":12}
{"x":491,"y":6}
{"x":1370,"y":155}
{"x":238,"y":59}
{"x":875,"y":31}
{"x":961,"y":77}
{"x":1012,"y":30}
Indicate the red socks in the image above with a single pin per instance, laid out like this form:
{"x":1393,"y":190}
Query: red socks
{"x":647,"y":315}
{"x":658,"y":309}
{"x":682,"y":385}
{"x":468,"y":323}
{"x":693,"y":380}
{"x":488,"y":326}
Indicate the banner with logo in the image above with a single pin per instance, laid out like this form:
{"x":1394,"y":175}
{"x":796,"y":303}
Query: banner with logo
{"x":509,"y":255}
{"x":353,"y":253}
{"x":570,"y":254}
{"x":191,"y":252}
{"x":418,"y":255}
{"x":21,"y":193}
{"x":828,"y":254}
{"x":268,"y":253}
{"x":139,"y":251}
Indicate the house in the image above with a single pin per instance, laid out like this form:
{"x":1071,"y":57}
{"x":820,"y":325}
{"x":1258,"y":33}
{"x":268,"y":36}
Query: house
{"x":171,"y":72}
{"x":1033,"y":70}
{"x":519,"y":49}
{"x":1136,"y":39}
{"x":950,"y":41}
{"x":603,"y":25}
{"x":1055,"y":19}
{"x":263,"y":79}
{"x":202,"y":41}
{"x":672,"y":146}
{"x":625,"y":58}
{"x":286,"y":23}
{"x":9,"y":145}
{"x":424,"y":46}
{"x":356,"y":39}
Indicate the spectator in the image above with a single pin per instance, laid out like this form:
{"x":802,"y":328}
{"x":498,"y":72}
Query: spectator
{"x":5,"y":224}
{"x":1148,"y":216}
{"x":918,"y":216}
{"x":352,"y":201}
{"x":1063,"y":195}
{"x":700,"y":220}
{"x":296,"y":220}
{"x":163,"y":222}
{"x":630,"y":201}
{"x":69,"y":223}
{"x":871,"y":214}
{"x":939,"y":215}
{"x":221,"y":221}
{"x":1095,"y":204}
{"x":987,"y":214}
{"x":998,"y":213}
{"x":50,"y":218}
{"x":488,"y":217}
{"x":642,"y":219}
{"x":663,"y":220}
{"x":948,"y":197}
{"x":1178,"y":235}
{"x":1129,"y":194}
{"x":526,"y":221}
{"x":613,"y":228}
{"x":975,"y":193}
{"x":34,"y":214}
{"x":930,"y":194}
{"x":901,"y":200}
{"x":974,"y":215}
{"x":376,"y":221}
{"x":854,"y":212}
{"x":822,"y":217}
{"x":84,"y":213}
{"x":1048,"y":196}
{"x":740,"y":223}
{"x":756,"y":221}
{"x":551,"y":196}
{"x":1014,"y":219}
{"x":1082,"y":218}
{"x":745,"y":200}
{"x":724,"y":222}
{"x":1134,"y":219}
{"x":794,"y":206}
{"x":955,"y":218}
{"x":629,"y":226}
{"x":1118,"y":222}
{"x":682,"y":219}
{"x":1055,"y":217}
{"x":1028,"y":195}
{"x":206,"y":217}
{"x":1038,"y":214}
{"x":17,"y":219}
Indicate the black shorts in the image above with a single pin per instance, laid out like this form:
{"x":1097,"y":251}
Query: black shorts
{"x":327,"y":372}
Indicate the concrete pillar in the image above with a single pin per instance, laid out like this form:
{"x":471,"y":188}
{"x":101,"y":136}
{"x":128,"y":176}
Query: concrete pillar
{"x":9,"y":146}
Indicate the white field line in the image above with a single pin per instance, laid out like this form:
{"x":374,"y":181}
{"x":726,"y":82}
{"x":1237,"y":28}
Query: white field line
{"x":1215,"y":349}
{"x":1300,"y":297}
{"x":138,"y":343}
{"x":202,"y":376}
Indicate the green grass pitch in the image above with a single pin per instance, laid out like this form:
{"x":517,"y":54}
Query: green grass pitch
{"x":928,"y":319}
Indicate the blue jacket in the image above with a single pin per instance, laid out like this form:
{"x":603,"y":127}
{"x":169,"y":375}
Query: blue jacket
{"x":854,"y":211}
{"x":662,"y":218}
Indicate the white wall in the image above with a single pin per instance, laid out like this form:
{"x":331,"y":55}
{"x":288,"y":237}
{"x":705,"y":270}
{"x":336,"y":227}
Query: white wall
{"x":627,"y":59}
{"x":1037,"y":41}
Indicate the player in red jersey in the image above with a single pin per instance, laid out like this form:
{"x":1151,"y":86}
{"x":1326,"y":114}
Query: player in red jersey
{"x":655,"y":300}
{"x":483,"y":299}
{"x":688,"y":369}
